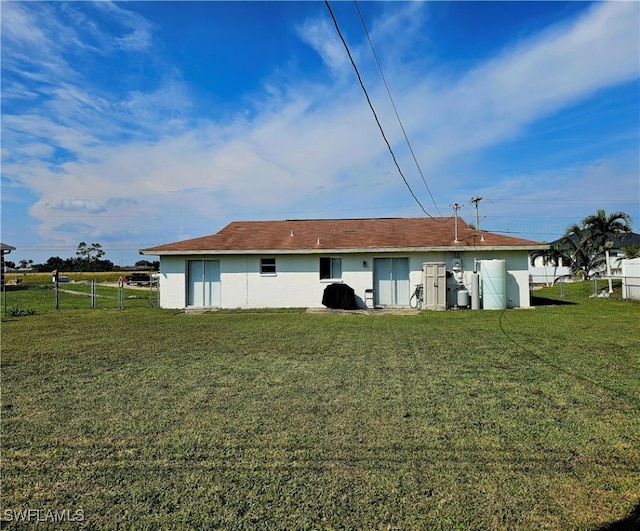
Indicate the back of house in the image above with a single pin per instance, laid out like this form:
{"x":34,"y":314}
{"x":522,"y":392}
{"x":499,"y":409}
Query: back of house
{"x":289,"y":263}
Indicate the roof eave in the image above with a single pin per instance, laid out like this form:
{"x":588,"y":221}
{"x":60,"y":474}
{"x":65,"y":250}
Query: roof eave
{"x":6,"y":249}
{"x":359,"y":250}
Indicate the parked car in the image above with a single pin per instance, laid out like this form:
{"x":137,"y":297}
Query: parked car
{"x":138,"y":279}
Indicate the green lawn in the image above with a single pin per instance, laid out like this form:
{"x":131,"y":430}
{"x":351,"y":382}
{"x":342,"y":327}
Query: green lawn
{"x":150,"y":419}
{"x":36,"y":293}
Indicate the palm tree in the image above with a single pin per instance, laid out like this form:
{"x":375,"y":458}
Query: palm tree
{"x":577,"y":245}
{"x":553,"y":256}
{"x":630,"y":251}
{"x":604,"y":230}
{"x":588,"y":242}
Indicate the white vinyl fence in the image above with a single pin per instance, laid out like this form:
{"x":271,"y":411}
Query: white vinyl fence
{"x":631,"y":278}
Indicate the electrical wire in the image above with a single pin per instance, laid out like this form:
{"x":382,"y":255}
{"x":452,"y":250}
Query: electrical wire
{"x":395,"y":110}
{"x":393,"y":156}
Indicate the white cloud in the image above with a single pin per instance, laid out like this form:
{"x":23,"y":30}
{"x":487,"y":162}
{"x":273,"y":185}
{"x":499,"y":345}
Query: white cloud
{"x":499,"y":98}
{"x":549,"y":200}
{"x":79,"y":205}
{"x":120,"y":201}
{"x":73,"y":228}
{"x":564,"y":64}
{"x":322,"y":37}
{"x":18,"y":28}
{"x":299,"y":147}
{"x":140,"y":34}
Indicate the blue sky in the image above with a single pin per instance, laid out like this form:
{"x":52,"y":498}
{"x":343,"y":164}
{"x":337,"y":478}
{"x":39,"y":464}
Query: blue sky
{"x":131,"y":124}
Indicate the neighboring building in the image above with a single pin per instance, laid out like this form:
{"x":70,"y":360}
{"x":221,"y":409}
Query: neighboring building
{"x":267,"y":264}
{"x":544,"y":273}
{"x":4,"y":249}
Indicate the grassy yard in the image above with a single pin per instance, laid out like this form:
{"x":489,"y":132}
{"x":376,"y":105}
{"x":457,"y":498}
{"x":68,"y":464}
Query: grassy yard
{"x":152,"y":419}
{"x":35,"y":293}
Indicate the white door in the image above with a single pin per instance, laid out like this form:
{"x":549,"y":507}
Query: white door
{"x":434,"y":282}
{"x":203,"y":283}
{"x":391,"y":281}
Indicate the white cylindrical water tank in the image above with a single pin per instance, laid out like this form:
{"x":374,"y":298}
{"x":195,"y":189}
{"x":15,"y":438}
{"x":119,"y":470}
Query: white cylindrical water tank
{"x":463,"y":298}
{"x":475,"y":291}
{"x":493,"y":274}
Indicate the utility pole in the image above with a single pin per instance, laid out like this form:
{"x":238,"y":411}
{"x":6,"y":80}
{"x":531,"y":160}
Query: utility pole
{"x":475,"y":200}
{"x":455,"y":207}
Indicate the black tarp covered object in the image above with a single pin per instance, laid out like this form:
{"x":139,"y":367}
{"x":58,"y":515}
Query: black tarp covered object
{"x":339,"y":297}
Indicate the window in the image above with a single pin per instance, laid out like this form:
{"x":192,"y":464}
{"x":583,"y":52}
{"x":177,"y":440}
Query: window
{"x":330,"y":267}
{"x":267,"y":266}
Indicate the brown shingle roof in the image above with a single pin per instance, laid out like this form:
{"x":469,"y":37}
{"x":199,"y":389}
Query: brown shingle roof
{"x":343,"y":235}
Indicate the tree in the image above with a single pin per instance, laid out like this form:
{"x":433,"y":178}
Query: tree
{"x":605,"y":230}
{"x":90,"y":253}
{"x":88,"y":258}
{"x":631,"y":251}
{"x":582,"y":261}
{"x":587,"y":242}
{"x":55,"y":262}
{"x":553,"y":257}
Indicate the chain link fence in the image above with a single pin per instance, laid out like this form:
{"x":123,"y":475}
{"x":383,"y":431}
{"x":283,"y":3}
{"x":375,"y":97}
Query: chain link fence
{"x":628,"y":285}
{"x":27,"y":294}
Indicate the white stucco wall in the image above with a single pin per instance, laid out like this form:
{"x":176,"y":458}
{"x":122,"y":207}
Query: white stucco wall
{"x":173,"y":281}
{"x":296,"y":283}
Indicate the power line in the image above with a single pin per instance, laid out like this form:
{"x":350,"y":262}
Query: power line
{"x":346,"y":47}
{"x":566,"y":201}
{"x":395,"y":110}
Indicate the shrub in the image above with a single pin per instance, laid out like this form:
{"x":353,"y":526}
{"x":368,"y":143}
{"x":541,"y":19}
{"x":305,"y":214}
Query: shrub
{"x":19,"y":311}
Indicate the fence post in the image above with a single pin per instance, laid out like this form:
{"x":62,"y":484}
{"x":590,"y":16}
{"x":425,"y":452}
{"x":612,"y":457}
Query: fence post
{"x":93,"y":294}
{"x":121,"y":293}
{"x":55,"y":288}
{"x":153,"y":294}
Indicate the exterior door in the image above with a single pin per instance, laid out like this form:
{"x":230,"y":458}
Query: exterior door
{"x":434,"y":282}
{"x":391,"y":281}
{"x":203,"y":279}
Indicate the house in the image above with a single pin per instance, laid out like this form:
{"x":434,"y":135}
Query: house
{"x":4,"y":249}
{"x":289,"y":263}
{"x":543,"y":272}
